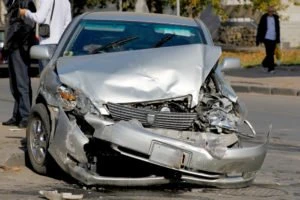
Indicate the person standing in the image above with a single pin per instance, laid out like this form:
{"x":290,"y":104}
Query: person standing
{"x":55,"y":13}
{"x":268,"y":32}
{"x":19,"y":38}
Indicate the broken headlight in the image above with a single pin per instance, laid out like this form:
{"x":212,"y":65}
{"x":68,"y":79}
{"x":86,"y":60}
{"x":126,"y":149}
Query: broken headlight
{"x":67,"y":98}
{"x":75,"y":100}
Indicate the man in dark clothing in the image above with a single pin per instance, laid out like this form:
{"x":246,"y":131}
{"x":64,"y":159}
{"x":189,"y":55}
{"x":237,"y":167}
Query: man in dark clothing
{"x":19,"y":39}
{"x":268,"y":32}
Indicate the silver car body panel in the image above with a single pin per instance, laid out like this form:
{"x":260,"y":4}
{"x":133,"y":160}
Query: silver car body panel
{"x":203,"y":155}
{"x":67,"y":142}
{"x":166,"y":148}
{"x":139,"y":76}
{"x":67,"y":146}
{"x":206,"y":32}
{"x":88,"y":178}
{"x":225,"y":88}
{"x":141,"y":17}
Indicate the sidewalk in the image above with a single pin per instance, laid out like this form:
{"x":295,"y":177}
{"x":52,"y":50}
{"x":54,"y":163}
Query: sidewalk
{"x":12,"y":143}
{"x":286,"y":80}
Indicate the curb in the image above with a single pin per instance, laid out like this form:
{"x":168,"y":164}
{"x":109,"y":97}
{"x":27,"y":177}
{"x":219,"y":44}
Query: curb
{"x":16,"y":159}
{"x":13,"y":149}
{"x":265,"y":90}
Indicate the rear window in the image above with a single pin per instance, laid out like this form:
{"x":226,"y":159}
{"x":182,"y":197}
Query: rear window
{"x":91,"y":37}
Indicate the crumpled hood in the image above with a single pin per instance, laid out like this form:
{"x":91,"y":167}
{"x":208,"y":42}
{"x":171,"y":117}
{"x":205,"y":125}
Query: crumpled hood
{"x":140,"y":75}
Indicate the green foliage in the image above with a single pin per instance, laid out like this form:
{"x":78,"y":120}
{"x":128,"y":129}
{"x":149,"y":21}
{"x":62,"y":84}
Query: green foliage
{"x":263,"y":5}
{"x":192,"y":8}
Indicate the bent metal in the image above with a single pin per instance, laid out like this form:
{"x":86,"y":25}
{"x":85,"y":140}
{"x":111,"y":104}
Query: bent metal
{"x":141,"y":111}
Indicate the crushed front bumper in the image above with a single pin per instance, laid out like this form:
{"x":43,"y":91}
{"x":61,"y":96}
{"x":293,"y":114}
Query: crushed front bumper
{"x":196,"y":165}
{"x":237,"y":168}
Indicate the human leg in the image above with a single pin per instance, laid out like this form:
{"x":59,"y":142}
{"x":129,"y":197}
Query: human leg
{"x":15,"y":118}
{"x":20,"y":60}
{"x":268,"y":62}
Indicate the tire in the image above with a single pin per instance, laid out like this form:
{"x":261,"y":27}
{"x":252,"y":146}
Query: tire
{"x":37,"y":135}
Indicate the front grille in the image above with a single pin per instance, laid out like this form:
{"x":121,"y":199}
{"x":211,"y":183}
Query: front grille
{"x":169,"y":120}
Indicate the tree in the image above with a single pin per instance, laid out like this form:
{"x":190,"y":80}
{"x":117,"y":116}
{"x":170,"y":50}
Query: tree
{"x":262,"y":5}
{"x":193,"y":8}
{"x":190,"y":8}
{"x":79,"y":6}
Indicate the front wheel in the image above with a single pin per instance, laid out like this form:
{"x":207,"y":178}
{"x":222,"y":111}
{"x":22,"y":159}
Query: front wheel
{"x":37,"y":134}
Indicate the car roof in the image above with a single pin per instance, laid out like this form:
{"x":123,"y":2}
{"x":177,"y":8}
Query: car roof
{"x":141,"y":17}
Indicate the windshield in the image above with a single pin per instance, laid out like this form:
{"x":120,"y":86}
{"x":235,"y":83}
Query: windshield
{"x":93,"y":36}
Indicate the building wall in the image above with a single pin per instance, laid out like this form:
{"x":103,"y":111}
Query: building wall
{"x":290,"y":27}
{"x":235,"y":2}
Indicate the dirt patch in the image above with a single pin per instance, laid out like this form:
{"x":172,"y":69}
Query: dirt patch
{"x":10,"y":169}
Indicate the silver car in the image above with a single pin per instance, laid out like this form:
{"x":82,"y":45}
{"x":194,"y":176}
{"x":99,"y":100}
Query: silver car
{"x":133,"y":99}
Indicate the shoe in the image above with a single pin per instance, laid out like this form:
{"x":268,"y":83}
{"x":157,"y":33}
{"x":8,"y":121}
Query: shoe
{"x":10,"y":122}
{"x":272,"y":72}
{"x":23,"y":124}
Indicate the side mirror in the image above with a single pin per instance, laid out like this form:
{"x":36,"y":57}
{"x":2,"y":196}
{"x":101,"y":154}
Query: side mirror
{"x":42,"y":52}
{"x":230,"y":63}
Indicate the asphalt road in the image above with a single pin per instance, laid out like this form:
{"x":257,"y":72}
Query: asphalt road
{"x":279,"y":177}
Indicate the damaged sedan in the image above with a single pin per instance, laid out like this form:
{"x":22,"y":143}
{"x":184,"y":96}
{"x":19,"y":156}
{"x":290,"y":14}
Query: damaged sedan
{"x":133,"y":99}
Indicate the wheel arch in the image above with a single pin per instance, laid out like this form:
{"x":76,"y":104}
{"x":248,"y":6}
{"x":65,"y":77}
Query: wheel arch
{"x":51,"y":114}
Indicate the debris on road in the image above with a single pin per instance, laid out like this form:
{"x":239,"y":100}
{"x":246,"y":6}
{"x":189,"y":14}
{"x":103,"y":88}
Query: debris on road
{"x":12,"y":169}
{"x":54,"y":195}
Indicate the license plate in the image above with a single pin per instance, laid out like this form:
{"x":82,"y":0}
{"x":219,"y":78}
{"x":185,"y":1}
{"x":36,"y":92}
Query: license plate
{"x":168,"y":156}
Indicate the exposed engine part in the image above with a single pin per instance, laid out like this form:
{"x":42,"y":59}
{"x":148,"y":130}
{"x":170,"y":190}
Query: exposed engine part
{"x":217,"y":112}
{"x":165,"y":106}
{"x":214,"y":112}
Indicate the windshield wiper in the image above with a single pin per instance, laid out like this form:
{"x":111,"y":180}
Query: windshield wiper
{"x":163,"y":40}
{"x":114,"y":44}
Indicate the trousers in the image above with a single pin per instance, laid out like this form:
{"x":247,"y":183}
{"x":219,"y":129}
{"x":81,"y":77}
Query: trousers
{"x":20,"y":83}
{"x":268,"y":61}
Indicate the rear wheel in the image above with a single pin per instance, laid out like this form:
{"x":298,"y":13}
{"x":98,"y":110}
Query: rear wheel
{"x":37,"y":134}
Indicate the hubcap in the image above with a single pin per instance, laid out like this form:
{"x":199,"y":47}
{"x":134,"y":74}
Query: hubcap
{"x":38,"y":140}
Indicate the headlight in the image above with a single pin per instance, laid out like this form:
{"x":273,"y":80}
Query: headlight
{"x":75,"y":100}
{"x":67,"y":98}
